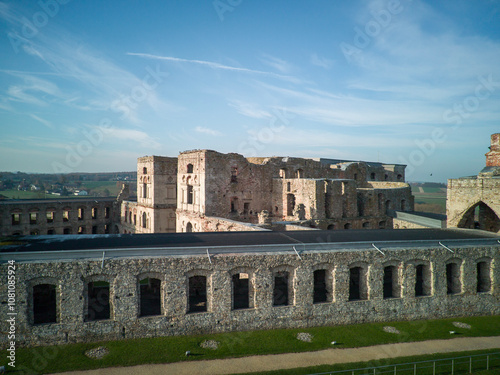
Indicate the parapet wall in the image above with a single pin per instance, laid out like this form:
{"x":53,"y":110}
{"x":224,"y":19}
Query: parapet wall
{"x":71,"y":280}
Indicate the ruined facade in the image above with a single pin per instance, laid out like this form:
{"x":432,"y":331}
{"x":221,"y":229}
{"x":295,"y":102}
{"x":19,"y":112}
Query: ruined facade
{"x":63,"y":216}
{"x":474,"y":202}
{"x":228,"y":192}
{"x":136,"y":295}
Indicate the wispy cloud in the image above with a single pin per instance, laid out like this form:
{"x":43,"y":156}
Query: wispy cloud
{"x":321,"y":61}
{"x":249,"y":109}
{"x":277,"y":63}
{"x":214,"y":65}
{"x":204,"y":130}
{"x":41,"y":120}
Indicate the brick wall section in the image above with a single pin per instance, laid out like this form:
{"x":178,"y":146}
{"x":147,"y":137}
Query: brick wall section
{"x":71,"y":278}
{"x":493,"y":156}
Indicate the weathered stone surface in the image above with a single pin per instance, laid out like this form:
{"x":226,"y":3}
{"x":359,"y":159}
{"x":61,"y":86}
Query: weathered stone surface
{"x":123,"y":274}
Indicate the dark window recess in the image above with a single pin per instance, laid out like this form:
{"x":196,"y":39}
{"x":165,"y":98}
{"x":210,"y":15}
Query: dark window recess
{"x":241,"y":298}
{"x":98,"y":301}
{"x":320,"y":290}
{"x":150,"y":290}
{"x":197,"y":294}
{"x":44,"y":304}
{"x":483,"y":277}
{"x":354,"y":283}
{"x":280,"y":293}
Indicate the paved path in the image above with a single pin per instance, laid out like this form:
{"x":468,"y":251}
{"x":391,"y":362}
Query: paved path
{"x":294,"y":360}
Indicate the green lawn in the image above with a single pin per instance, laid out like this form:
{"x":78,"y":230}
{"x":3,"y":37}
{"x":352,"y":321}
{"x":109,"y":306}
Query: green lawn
{"x":237,"y":344}
{"x":442,"y":367}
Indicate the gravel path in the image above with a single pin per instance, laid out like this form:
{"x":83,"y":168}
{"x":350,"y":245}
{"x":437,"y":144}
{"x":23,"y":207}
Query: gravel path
{"x":294,"y":360}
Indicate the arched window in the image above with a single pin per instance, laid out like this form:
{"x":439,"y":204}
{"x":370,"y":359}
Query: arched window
{"x":190,"y":168}
{"x":144,"y":220}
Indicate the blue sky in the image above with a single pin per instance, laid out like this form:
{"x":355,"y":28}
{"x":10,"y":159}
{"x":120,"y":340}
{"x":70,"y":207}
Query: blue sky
{"x":92,"y":85}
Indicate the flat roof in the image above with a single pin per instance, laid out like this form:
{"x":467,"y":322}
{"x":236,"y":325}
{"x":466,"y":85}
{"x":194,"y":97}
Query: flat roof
{"x":234,"y":239}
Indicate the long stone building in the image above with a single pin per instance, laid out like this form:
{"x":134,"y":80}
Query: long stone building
{"x":204,"y":191}
{"x":130,"y":286}
{"x":474,"y":202}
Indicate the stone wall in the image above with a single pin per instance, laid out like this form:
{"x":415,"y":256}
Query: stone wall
{"x":71,"y":280}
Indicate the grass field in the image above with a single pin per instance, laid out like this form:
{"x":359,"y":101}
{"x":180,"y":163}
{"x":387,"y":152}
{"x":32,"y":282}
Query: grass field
{"x":237,"y":344}
{"x":94,"y":187}
{"x":433,"y":199}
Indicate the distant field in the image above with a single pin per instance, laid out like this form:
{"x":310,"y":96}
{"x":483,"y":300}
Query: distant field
{"x":433,"y":199}
{"x":100,"y":186}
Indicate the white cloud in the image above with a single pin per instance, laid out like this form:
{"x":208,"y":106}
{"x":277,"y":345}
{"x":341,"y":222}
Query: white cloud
{"x":249,"y":109}
{"x":41,"y":120}
{"x":277,"y":63}
{"x":208,"y":131}
{"x":321,"y":61}
{"x":214,"y":65}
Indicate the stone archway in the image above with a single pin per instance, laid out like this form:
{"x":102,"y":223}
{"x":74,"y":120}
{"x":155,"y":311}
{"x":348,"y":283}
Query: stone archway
{"x":480,"y":216}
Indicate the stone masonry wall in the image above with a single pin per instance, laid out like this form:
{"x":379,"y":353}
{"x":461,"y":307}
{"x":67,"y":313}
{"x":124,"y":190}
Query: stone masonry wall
{"x":123,"y":274}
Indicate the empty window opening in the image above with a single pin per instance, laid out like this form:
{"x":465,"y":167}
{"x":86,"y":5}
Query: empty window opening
{"x":98,"y":301}
{"x":144,"y":220}
{"x":44,"y":304}
{"x":81,"y":230}
{"x":355,"y":176}
{"x":33,"y":217}
{"x":135,"y":219}
{"x":283,"y":173}
{"x":150,"y":292}
{"x":144,"y":170}
{"x":34,"y":233}
{"x":106,"y":212}
{"x":65,"y":216}
{"x":106,"y":228}
{"x":400,"y":177}
{"x":16,"y":219}
{"x":288,"y":186}
{"x":234,"y":205}
{"x":234,"y":174}
{"x":67,"y":231}
{"x":372,"y":176}
{"x":197,"y":294}
{"x":391,"y":285}
{"x":387,"y":206}
{"x":361,"y":205}
{"x":366,"y":225}
{"x":241,"y":291}
{"x":299,"y":173}
{"x":51,"y":231}
{"x":403,"y":205}
{"x":189,"y":227}
{"x":276,"y":209}
{"x":483,"y":277}
{"x":347,"y":226}
{"x":320,"y":290}
{"x":280,"y":292}
{"x":422,"y":281}
{"x":453,"y":283}
{"x":144,"y":190}
{"x":81,"y":213}
{"x":94,"y":213}
{"x":189,"y":194}
{"x":290,"y":204}
{"x":94,"y":229}
{"x":50,"y":216}
{"x":190,"y":168}
{"x":381,"y":225}
{"x":357,"y":284}
{"x":386,"y":177}
{"x":331,"y":227}
{"x":246,"y":208}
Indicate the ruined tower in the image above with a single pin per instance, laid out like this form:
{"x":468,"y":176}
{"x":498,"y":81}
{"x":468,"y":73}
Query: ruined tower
{"x":493,"y":156}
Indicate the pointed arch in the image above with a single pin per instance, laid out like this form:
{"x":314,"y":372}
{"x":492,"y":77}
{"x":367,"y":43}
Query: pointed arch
{"x":480,"y":216}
